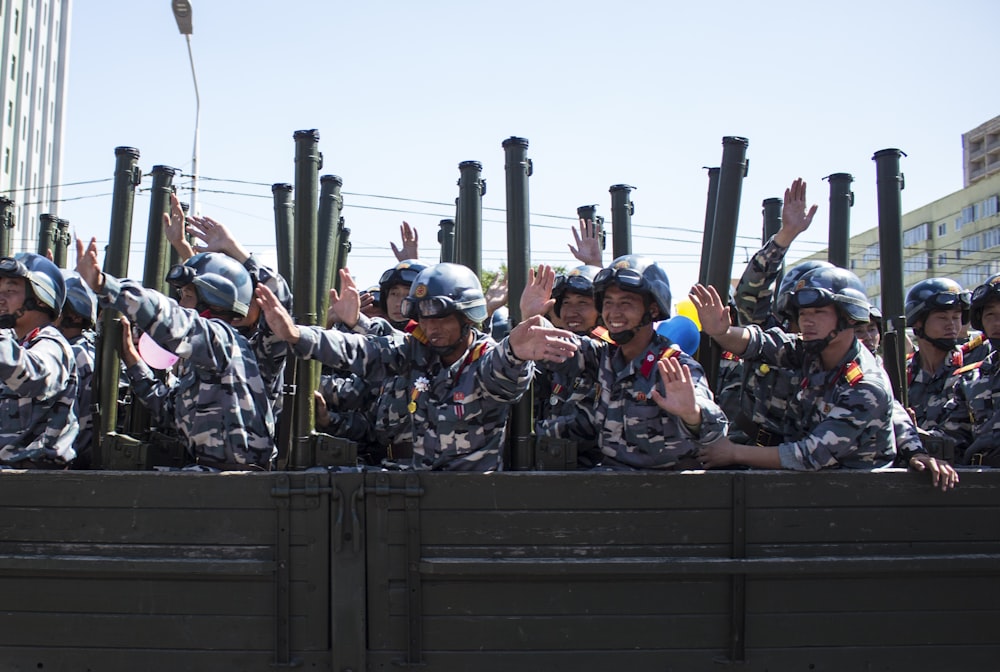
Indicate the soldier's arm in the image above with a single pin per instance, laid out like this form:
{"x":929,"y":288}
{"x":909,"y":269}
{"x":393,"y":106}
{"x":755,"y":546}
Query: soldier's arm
{"x":687,"y":397}
{"x":836,"y":437}
{"x":754,"y":290}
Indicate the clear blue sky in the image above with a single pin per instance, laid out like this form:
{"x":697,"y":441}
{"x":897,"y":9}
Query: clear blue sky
{"x":639,"y":93}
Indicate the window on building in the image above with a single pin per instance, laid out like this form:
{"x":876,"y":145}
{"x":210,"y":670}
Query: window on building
{"x":31,"y":38}
{"x":968,"y":213}
{"x":870,"y":254}
{"x":13,"y":68}
{"x":918,"y":263}
{"x":6,"y":161}
{"x":17,"y":19}
{"x":917,"y":234}
{"x":991,"y":238}
{"x":991,"y":206}
{"x":942,"y":229}
{"x":970,"y":245}
{"x":10,"y":112}
{"x":942,"y":259}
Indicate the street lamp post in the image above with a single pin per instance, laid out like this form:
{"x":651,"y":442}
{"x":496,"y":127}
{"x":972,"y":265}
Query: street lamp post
{"x":182,"y":13}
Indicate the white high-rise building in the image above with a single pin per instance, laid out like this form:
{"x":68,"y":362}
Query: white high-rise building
{"x":33,"y":85}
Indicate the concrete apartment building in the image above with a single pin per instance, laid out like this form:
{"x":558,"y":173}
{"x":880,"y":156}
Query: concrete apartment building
{"x":33,"y":84}
{"x":957,"y":236}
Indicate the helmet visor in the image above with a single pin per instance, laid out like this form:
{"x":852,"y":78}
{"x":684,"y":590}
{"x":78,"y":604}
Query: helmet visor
{"x":12,"y":268}
{"x":623,"y":277}
{"x":811,"y":297}
{"x":403,"y":275}
{"x":572,"y":283}
{"x":435,"y":306}
{"x":948,"y":300}
{"x":981,"y":294}
{"x":180,"y":275}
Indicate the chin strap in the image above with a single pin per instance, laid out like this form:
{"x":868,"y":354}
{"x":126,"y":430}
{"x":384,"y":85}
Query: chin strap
{"x":942,"y":344}
{"x":8,"y":320}
{"x":818,"y":345}
{"x":445,"y":350}
{"x":623,"y":337}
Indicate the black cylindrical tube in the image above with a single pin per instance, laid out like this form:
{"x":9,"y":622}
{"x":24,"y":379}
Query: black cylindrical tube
{"x":890,"y":182}
{"x":622,"y":210}
{"x":127,"y":178}
{"x":47,"y":231}
{"x":157,"y":248}
{"x":307,"y":166}
{"x":284,"y":231}
{"x":706,"y":238}
{"x":446,"y":236}
{"x":330,"y":205}
{"x":518,"y":169}
{"x":841,"y":200}
{"x":727,"y":211}
{"x":470,"y":218}
{"x":771,"y":210}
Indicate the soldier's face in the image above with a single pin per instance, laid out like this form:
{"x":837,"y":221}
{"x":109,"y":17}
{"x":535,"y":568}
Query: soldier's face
{"x":12,"y":295}
{"x":442,"y":331}
{"x":393,"y":300}
{"x":943,"y":323}
{"x":868,"y":335}
{"x":188,"y":297}
{"x":816,"y":323}
{"x":578,"y":313}
{"x":623,"y":310}
{"x":991,"y":319}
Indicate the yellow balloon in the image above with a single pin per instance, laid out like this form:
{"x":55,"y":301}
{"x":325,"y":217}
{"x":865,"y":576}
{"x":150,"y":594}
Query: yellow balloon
{"x":687,"y":309}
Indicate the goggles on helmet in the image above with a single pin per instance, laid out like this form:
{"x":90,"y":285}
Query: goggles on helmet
{"x":405,"y":275}
{"x":180,"y":275}
{"x":434,"y":306}
{"x":811,"y":297}
{"x":572,"y":283}
{"x":946,"y":300}
{"x":981,"y":293}
{"x":624,"y":277}
{"x":12,"y":268}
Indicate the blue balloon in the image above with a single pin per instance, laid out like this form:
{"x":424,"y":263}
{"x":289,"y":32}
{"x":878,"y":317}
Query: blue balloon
{"x":682,"y":331}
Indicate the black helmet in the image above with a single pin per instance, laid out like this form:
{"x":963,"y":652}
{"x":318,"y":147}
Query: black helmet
{"x":936,"y":294}
{"x":638,"y":274}
{"x":788,"y":282}
{"x":43,"y":278}
{"x":403,"y":273}
{"x":579,"y":280}
{"x":986,"y":292}
{"x":444,"y":289}
{"x":500,"y":323}
{"x":838,"y":286}
{"x":220,"y":280}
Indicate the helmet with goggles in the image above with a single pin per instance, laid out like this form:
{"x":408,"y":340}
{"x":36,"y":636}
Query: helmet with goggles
{"x":80,"y":299}
{"x":403,"y":273}
{"x":579,"y":280}
{"x":444,"y":289}
{"x":831,"y":286}
{"x":638,"y":274}
{"x":220,"y":281}
{"x":788,"y":282}
{"x":936,"y":294}
{"x":985,"y":293}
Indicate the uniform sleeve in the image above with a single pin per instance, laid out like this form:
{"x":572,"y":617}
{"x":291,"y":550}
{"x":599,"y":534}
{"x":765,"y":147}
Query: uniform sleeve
{"x":503,"y":376}
{"x":714,"y":423}
{"x":773,"y":347}
{"x":205,"y":343}
{"x":369,"y":357}
{"x":957,"y":424}
{"x":754,"y":292}
{"x":908,"y":441}
{"x":41,"y":371}
{"x":151,"y":391}
{"x":836,"y":438}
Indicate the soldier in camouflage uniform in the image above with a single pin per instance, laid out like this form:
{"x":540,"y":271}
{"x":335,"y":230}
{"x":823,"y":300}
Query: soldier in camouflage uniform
{"x":843,"y":412}
{"x":38,"y":377}
{"x":972,"y":414}
{"x":219,"y":403}
{"x":936,"y":309}
{"x":77,"y":322}
{"x":653,"y":407}
{"x":457,"y":384}
{"x":763,"y":403}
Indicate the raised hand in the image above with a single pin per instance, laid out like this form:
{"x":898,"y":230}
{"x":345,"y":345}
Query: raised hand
{"x":713,"y":313}
{"x":173,"y":229}
{"x":496,"y":294}
{"x":345,"y":306}
{"x":588,"y":243}
{"x":277,"y":317}
{"x":216,"y":237}
{"x":537,"y":296}
{"x":679,"y":398}
{"x":87,"y":265}
{"x":794,"y":217}
{"x":410,"y":240}
{"x":534,"y":339}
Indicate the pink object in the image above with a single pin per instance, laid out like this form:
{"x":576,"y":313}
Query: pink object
{"x":154,"y":355}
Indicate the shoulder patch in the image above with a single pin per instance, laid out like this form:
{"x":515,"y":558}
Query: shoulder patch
{"x":730,"y":356}
{"x":602,"y":334}
{"x":967,"y":368}
{"x":853,"y":374}
{"x":478,"y":351}
{"x":972,"y":343}
{"x":417,"y":333}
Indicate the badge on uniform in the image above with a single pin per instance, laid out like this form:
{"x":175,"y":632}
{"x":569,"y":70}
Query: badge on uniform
{"x":640,"y":396}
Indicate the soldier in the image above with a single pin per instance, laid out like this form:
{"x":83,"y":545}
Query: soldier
{"x":870,"y":334}
{"x":842,"y":414}
{"x":936,"y":309}
{"x":38,"y":377}
{"x":394,"y":286}
{"x":455,"y":385}
{"x":219,"y":404}
{"x":644,"y":420}
{"x":561,"y":404}
{"x":972,"y":415}
{"x":77,"y":322}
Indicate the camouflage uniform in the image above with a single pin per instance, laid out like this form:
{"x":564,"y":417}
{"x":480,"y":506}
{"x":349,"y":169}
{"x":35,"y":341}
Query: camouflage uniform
{"x":84,"y":351}
{"x":838,"y":418}
{"x":564,"y":407}
{"x":271,"y":352}
{"x":38,"y":391}
{"x":635,"y":433}
{"x":928,"y":392}
{"x":455,"y":416}
{"x":973,"y":413}
{"x":219,"y":404}
{"x":765,"y":389}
